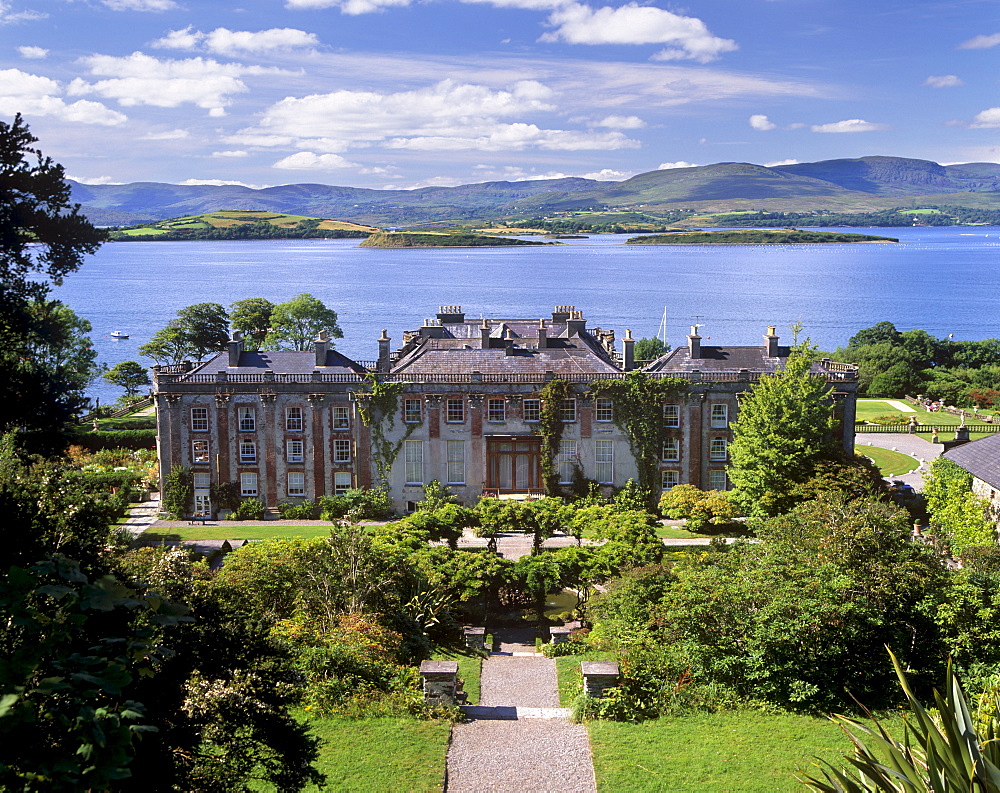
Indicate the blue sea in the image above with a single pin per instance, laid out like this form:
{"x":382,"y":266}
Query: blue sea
{"x":943,"y":280}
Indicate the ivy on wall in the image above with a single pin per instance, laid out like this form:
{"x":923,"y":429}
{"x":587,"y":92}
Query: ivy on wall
{"x":550,"y":428}
{"x":377,"y":410}
{"x":638,"y":413}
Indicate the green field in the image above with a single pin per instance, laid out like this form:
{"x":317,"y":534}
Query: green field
{"x":889,"y":463}
{"x":224,"y":530}
{"x":744,"y":752}
{"x":871,"y":409}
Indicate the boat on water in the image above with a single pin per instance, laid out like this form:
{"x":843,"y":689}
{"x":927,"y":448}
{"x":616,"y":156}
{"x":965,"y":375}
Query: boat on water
{"x":118,"y":335}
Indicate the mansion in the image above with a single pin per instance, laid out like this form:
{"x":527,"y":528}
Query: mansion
{"x":286,"y":425}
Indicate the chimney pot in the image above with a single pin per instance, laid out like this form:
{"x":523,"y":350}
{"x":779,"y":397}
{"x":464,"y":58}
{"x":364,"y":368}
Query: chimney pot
{"x":235,"y":346}
{"x":694,"y":343}
{"x":770,"y":343}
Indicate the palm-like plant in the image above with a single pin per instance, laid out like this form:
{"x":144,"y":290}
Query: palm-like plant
{"x":937,"y":754}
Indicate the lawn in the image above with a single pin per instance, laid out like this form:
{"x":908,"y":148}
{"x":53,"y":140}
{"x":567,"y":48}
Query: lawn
{"x":222,"y":530}
{"x":889,"y":463}
{"x":869,"y":409}
{"x":745,"y":752}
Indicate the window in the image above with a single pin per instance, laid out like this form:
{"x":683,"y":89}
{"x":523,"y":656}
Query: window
{"x":718,"y":449}
{"x":341,"y":451}
{"x":413,"y":459}
{"x":672,"y":415}
{"x":199,"y":451}
{"x":532,"y":409}
{"x":456,"y":462}
{"x":199,"y":419}
{"x":248,"y":451}
{"x":296,"y":483}
{"x":720,"y":416}
{"x":247,"y":421}
{"x":717,"y":479}
{"x":455,"y":411}
{"x":567,"y":411}
{"x":605,"y":462}
{"x":566,"y":461}
{"x":341,"y":417}
{"x":669,"y":479}
{"x":293,"y":419}
{"x":202,"y":481}
{"x":671,"y":451}
{"x":496,"y":410}
{"x":294,"y":451}
{"x":248,"y":484}
{"x":341,"y":482}
{"x":411,"y":411}
{"x":604,"y":409}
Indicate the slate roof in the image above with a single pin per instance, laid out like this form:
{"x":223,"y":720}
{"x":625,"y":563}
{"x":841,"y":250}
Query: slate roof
{"x":980,"y":458}
{"x":723,"y":359}
{"x":280,"y":362}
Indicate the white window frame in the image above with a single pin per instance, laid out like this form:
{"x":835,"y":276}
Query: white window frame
{"x":199,"y":419}
{"x":718,"y":450}
{"x":669,"y":479}
{"x":496,"y":410}
{"x":671,"y":452}
{"x":717,"y":479}
{"x":671,"y":415}
{"x":295,"y":449}
{"x":341,"y":451}
{"x":604,"y":457}
{"x":341,"y":417}
{"x":248,"y":484}
{"x":720,"y":416}
{"x":604,"y":409}
{"x":296,"y":483}
{"x":201,"y":480}
{"x":532,"y":410}
{"x":294,"y":419}
{"x":246,"y":418}
{"x":413,"y":462}
{"x":341,"y":482}
{"x":567,"y":411}
{"x":454,"y":411}
{"x":202,"y":503}
{"x":200,"y":451}
{"x":412,"y":411}
{"x":247,"y":451}
{"x":455,"y":462}
{"x":567,"y":460}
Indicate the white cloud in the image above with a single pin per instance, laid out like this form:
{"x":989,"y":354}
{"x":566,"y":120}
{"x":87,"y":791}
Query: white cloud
{"x":223,"y":41}
{"x":33,"y":53}
{"x":93,"y":179}
{"x":608,"y":175}
{"x":849,"y":125}
{"x":10,"y":17}
{"x":762,"y":123}
{"x":667,"y":166}
{"x":34,"y":95}
{"x":170,"y":134}
{"x":620,"y":122}
{"x":139,"y":79}
{"x":518,"y":136}
{"x":351,"y":7}
{"x":780,"y":162}
{"x":223,"y":183}
{"x":987,"y":119}
{"x":310,"y":161}
{"x":980,"y":42}
{"x":530,"y":5}
{"x":140,"y":5}
{"x":688,"y":37}
{"x":236,"y":153}
{"x":943,"y":81}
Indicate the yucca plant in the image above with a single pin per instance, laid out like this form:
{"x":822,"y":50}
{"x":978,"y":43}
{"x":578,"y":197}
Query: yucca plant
{"x":944,"y":753}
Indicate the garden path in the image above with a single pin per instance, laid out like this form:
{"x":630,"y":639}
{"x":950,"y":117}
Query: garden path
{"x":519,"y":740}
{"x":141,"y":517}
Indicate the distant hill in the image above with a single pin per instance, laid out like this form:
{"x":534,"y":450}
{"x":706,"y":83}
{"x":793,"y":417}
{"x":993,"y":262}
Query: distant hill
{"x":864,"y":184}
{"x":235,"y":224}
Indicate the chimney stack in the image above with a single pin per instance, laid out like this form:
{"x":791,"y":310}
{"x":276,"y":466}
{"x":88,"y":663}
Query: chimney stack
{"x":629,"y":344}
{"x":576,"y":324}
{"x":383,"y":352}
{"x":235,"y":345}
{"x":543,"y":335}
{"x":322,"y":346}
{"x":770,"y":343}
{"x":694,"y":343}
{"x":508,"y":342}
{"x":484,"y":331}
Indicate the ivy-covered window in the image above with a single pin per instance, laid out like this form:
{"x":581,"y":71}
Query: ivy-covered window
{"x":604,"y":409}
{"x":671,"y":450}
{"x":605,"y":458}
{"x":532,"y":409}
{"x":720,"y":416}
{"x":672,"y":415}
{"x":567,"y":410}
{"x":669,"y":479}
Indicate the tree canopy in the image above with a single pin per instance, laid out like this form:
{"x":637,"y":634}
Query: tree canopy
{"x":253,"y":318}
{"x":130,"y":375}
{"x":296,"y":323}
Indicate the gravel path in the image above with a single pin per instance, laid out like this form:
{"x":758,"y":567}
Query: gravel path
{"x":526,"y":682}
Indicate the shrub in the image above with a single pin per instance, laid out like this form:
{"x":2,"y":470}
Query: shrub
{"x":632,"y":498}
{"x":250,"y":509}
{"x":307,"y":510}
{"x":368,"y":503}
{"x":700,"y":507}
{"x":122,"y":439}
{"x":177,"y":492}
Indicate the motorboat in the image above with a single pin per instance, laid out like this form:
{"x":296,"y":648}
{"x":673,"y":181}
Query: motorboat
{"x":118,"y":335}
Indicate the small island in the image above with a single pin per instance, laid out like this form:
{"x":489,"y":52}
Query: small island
{"x":410,"y":239}
{"x":755,"y":237}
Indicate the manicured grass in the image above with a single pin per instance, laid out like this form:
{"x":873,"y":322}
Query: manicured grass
{"x":678,"y":533}
{"x":148,"y":422}
{"x":469,"y":666}
{"x":224,"y":530}
{"x":747,"y":751}
{"x":570,"y":678}
{"x":382,"y":754}
{"x":889,"y":463}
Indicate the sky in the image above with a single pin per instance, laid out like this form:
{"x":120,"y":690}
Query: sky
{"x":412,"y":93}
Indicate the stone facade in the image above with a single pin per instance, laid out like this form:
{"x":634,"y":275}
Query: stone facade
{"x":285,"y":426}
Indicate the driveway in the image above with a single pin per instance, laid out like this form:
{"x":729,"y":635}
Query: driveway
{"x":913,"y":445}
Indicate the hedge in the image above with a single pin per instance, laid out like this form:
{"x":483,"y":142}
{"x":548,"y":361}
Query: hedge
{"x":117,"y":439}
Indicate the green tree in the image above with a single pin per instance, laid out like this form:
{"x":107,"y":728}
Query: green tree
{"x":296,"y":324}
{"x":877,"y":334}
{"x":955,"y":509}
{"x":784,"y":429}
{"x":253,"y":318}
{"x":649,"y":349}
{"x":206,"y":326}
{"x":130,"y":375}
{"x":170,"y":344}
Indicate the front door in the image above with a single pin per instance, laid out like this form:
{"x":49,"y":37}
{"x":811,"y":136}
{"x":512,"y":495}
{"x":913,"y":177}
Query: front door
{"x":513,"y":465}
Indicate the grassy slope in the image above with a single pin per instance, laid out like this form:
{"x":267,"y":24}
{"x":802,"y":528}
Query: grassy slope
{"x":225,"y":530}
{"x":224,"y":219}
{"x":889,"y":463}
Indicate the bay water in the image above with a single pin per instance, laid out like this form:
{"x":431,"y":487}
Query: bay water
{"x":940,"y":279}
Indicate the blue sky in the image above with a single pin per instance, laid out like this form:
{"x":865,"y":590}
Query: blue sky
{"x":410,"y":93}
